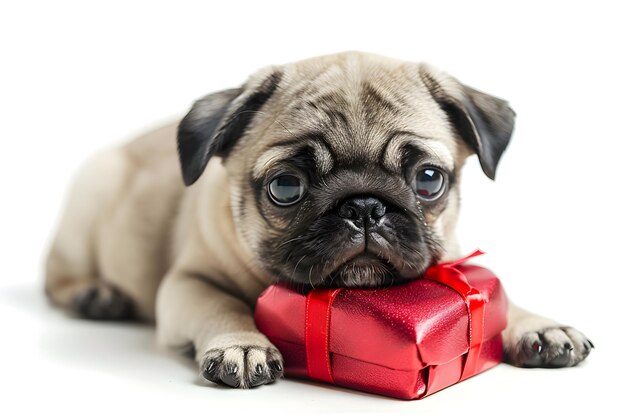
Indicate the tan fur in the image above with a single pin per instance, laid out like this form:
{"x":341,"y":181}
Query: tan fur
{"x":117,"y":223}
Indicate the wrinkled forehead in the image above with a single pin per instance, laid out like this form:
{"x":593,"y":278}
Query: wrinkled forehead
{"x":354,"y":113}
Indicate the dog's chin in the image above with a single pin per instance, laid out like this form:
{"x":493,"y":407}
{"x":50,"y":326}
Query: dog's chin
{"x":364,"y":271}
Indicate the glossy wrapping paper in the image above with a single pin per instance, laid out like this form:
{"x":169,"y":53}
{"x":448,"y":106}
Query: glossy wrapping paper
{"x":405,"y":341}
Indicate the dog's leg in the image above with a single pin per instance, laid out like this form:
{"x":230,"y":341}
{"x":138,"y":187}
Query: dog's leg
{"x":72,"y":276}
{"x":220,"y":327}
{"x":537,"y":342}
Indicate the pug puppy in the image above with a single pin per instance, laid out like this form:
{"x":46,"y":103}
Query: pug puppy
{"x":342,"y":170}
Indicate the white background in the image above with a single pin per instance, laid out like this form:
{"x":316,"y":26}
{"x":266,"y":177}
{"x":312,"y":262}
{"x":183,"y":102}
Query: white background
{"x":76,"y":77}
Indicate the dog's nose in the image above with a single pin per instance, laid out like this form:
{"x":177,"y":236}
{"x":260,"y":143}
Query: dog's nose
{"x":362,"y":210}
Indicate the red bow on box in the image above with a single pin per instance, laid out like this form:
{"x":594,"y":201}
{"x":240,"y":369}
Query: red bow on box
{"x":318,"y":310}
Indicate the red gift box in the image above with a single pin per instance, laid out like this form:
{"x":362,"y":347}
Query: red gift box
{"x":405,"y":341}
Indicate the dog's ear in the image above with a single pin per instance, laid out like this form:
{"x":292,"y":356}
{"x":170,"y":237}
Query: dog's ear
{"x":484,"y":122}
{"x":217,"y":121}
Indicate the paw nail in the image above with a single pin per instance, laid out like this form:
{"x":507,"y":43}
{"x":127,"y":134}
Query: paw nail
{"x":259,"y":369}
{"x":232,"y":369}
{"x":257,"y":380}
{"x":537,"y":347}
{"x":591,"y":343}
{"x":230,"y":379}
{"x":211,"y":367}
{"x":276,"y":366}
{"x":568,"y":346}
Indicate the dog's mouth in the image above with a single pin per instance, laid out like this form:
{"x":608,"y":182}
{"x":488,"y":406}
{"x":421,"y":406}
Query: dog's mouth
{"x":364,"y":270}
{"x":352,"y":262}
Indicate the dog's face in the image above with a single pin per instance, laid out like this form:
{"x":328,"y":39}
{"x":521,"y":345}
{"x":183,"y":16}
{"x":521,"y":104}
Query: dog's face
{"x":344,"y":170}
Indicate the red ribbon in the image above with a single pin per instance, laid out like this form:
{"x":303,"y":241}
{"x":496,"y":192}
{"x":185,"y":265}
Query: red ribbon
{"x":448,"y":274}
{"x":317,"y":333}
{"x":318,"y":315}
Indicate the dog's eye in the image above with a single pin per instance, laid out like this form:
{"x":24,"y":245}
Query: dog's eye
{"x":285,"y":190}
{"x":429,"y":184}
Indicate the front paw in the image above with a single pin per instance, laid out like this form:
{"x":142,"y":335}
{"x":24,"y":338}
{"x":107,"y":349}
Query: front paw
{"x":242,"y":365}
{"x":550,"y":347}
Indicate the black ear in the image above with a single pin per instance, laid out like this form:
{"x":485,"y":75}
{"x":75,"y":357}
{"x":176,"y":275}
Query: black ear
{"x":216,"y":122}
{"x":484,"y":122}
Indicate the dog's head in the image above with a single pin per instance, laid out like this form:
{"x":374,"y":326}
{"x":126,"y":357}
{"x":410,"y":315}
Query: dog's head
{"x":344,"y":170}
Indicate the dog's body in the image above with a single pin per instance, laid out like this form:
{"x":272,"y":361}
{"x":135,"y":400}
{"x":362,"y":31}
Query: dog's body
{"x":134,"y":241}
